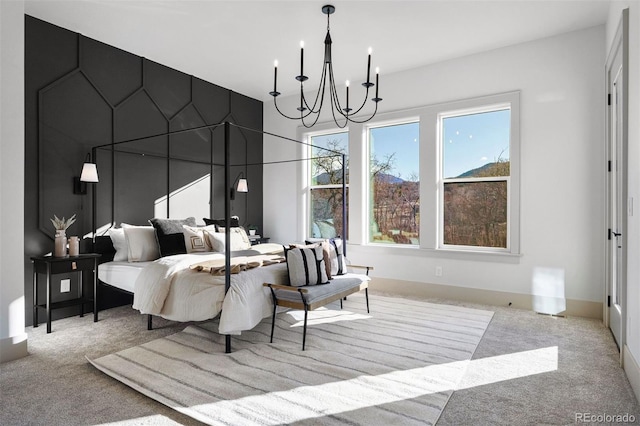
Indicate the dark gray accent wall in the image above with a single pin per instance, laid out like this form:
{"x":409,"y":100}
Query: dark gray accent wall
{"x":81,"y":93}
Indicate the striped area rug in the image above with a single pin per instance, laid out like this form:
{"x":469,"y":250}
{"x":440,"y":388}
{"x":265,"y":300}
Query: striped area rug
{"x":397,"y":365}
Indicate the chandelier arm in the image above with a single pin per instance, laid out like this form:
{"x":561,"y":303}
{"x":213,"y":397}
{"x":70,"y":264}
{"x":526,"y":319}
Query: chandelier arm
{"x":364,"y":121}
{"x":308,"y":126}
{"x":275,"y":102}
{"x":319,"y":94}
{"x":335,"y":102}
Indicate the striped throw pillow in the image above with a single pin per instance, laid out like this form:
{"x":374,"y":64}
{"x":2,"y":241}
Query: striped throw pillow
{"x":306,"y":266}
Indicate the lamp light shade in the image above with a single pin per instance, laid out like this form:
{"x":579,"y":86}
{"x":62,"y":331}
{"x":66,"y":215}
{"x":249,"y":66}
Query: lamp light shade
{"x":89,"y":173}
{"x":242,"y":185}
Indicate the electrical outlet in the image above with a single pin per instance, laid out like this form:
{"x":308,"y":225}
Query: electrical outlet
{"x":438,"y":271}
{"x":65,"y":286}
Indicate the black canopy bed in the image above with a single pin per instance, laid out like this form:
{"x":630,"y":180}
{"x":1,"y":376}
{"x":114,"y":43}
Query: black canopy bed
{"x":246,"y":302}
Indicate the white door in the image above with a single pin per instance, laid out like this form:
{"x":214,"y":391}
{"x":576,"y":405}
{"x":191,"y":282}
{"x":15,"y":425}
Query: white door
{"x":617,"y":192}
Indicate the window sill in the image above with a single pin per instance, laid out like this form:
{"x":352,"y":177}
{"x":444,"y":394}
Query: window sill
{"x":456,"y":254}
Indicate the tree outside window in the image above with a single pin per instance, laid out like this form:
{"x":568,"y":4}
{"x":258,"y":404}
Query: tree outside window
{"x":394,"y":214}
{"x":475,"y":178}
{"x":326,"y":184}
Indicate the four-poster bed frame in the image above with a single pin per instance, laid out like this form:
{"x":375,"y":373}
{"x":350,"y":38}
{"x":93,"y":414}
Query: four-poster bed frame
{"x":111,"y":147}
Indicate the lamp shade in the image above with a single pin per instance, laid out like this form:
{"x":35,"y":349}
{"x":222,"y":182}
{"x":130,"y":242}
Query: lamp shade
{"x":242,"y":185}
{"x":89,"y":173}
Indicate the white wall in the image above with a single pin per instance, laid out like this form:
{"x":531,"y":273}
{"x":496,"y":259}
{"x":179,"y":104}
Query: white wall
{"x":13,"y":339}
{"x":633,"y":230}
{"x":562,"y":179}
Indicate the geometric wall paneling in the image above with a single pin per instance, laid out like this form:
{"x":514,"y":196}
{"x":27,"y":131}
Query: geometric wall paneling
{"x":117,"y":73}
{"x":140,"y":181}
{"x":170,"y":89}
{"x":138,"y":116}
{"x":60,"y":48}
{"x":194,"y":145}
{"x":243,"y":109}
{"x":73,"y":117}
{"x":212,"y":101}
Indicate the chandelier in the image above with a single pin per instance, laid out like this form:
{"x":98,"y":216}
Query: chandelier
{"x":341,"y":116}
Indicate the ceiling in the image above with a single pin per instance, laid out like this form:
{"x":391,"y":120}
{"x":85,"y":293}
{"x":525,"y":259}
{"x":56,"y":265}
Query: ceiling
{"x":234,"y":43}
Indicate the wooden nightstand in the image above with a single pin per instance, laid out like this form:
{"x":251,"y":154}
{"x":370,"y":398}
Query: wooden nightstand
{"x":49,"y":265}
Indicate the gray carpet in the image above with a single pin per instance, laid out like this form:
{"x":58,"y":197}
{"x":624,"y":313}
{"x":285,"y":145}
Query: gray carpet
{"x":56,"y":385}
{"x":397,"y":365}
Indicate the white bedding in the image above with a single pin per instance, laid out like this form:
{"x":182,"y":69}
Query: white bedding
{"x":168,"y":288}
{"x":122,"y":275}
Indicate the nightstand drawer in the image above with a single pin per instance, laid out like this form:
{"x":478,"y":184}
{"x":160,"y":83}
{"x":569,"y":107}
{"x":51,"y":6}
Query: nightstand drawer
{"x":71,"y":266}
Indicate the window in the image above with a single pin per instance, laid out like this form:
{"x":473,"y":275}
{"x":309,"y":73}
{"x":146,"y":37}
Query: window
{"x":326,"y":184}
{"x":475,"y":177}
{"x":394,"y":184}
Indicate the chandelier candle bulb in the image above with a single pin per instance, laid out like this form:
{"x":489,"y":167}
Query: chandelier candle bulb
{"x":275,"y":75}
{"x":301,"y":59}
{"x":347,"y":109}
{"x":369,"y":67}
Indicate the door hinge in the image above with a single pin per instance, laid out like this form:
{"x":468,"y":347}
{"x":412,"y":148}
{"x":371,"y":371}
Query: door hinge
{"x":609,"y":234}
{"x":608,"y":301}
{"x":609,"y":99}
{"x":609,"y":165}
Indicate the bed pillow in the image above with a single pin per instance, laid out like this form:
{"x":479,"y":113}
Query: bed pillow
{"x":119,"y":244}
{"x":169,"y":233}
{"x":195,"y":239}
{"x":239,"y":240}
{"x":334,"y":255}
{"x":141,"y":243}
{"x":306,"y":266}
{"x":221,"y":222}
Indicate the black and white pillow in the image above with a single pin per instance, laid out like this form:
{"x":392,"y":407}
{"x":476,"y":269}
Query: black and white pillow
{"x":170,"y":235}
{"x":334,"y":252}
{"x":306,"y":266}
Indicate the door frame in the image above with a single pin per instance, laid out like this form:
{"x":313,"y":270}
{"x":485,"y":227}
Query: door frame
{"x":620,"y":44}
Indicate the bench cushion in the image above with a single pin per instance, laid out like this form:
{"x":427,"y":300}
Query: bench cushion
{"x":316,"y":293}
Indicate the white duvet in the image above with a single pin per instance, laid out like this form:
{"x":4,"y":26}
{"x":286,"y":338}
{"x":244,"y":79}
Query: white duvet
{"x":168,"y":288}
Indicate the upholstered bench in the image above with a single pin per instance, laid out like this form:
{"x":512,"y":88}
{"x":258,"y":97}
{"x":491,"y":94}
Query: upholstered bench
{"x":311,"y":297}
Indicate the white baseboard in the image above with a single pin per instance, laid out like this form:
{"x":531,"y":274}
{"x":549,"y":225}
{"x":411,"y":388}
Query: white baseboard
{"x":13,"y":348}
{"x":578,"y":308}
{"x":632,"y":368}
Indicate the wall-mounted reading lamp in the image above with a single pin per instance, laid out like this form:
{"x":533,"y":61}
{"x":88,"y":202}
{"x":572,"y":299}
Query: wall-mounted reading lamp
{"x":89,"y":174}
{"x":239,"y":185}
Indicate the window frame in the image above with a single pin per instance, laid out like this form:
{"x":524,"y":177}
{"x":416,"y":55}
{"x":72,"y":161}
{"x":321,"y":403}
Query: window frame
{"x":442,"y":181}
{"x":402,"y":120}
{"x":308,"y":179}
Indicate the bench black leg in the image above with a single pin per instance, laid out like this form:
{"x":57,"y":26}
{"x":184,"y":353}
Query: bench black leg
{"x":340,"y":303}
{"x":149,"y":322}
{"x":304,"y":329}
{"x":366,"y":295}
{"x":273,"y":321}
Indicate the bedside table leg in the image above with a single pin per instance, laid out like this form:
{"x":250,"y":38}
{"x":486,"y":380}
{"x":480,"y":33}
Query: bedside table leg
{"x":81,"y":290}
{"x":35,"y":297}
{"x":48,"y":298}
{"x":95,"y":290}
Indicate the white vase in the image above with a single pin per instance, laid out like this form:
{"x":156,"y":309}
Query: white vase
{"x":60,"y":248}
{"x":252,"y":232}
